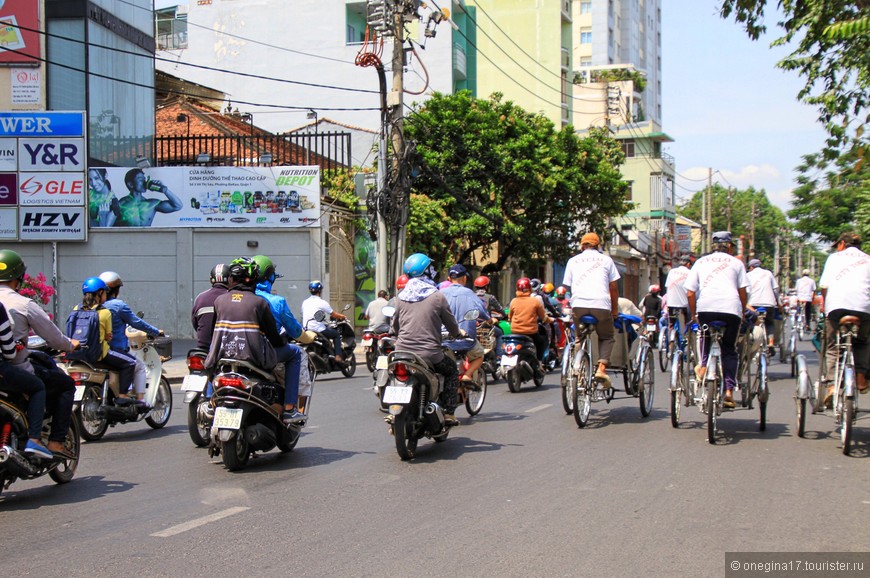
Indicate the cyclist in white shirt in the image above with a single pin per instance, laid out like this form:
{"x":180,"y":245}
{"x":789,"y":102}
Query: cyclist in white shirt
{"x":675,"y":291}
{"x":591,"y":277}
{"x":764,"y":292}
{"x":845,"y":284}
{"x":806,"y":288}
{"x":716,"y":291}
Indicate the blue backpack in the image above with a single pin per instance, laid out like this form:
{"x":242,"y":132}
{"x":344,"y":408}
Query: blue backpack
{"x":84,"y":325}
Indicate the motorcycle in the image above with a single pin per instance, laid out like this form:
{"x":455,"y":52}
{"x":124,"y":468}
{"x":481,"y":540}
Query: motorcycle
{"x":320,"y":350}
{"x":411,"y":395}
{"x":519,"y":362}
{"x":486,"y":338}
{"x":101,"y":405}
{"x":15,"y":464}
{"x":195,"y":387}
{"x":248,"y":403}
{"x":380,"y":376}
{"x":370,"y":339}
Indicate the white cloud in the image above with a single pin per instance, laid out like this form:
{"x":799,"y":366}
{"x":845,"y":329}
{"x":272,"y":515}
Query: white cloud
{"x":776,"y":184}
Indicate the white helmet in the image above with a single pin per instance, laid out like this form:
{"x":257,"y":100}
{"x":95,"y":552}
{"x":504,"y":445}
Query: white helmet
{"x":806,"y":272}
{"x":112,"y":279}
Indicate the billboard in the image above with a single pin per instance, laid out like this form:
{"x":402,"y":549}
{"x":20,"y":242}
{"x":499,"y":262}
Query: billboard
{"x":19,"y":32}
{"x":204,"y":197}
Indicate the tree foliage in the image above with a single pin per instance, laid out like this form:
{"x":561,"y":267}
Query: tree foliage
{"x":496,"y":177}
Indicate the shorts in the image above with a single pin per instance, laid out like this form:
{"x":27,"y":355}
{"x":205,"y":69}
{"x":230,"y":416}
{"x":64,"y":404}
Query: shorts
{"x":475,"y":352}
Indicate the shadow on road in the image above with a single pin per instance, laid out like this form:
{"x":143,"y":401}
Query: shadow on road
{"x":121,"y":433}
{"x":452,"y":449}
{"x":301,"y":457}
{"x":79,"y":490}
{"x":493,"y":416}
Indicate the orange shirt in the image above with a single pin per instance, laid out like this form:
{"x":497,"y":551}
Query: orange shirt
{"x":524,"y":313}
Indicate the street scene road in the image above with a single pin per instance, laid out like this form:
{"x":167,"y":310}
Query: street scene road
{"x":518,"y":490}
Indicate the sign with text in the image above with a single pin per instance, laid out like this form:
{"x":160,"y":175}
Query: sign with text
{"x":19,"y":32}
{"x":204,"y":197}
{"x":51,"y":154}
{"x":52,"y":224}
{"x":8,"y":223}
{"x":8,"y":189}
{"x":54,"y":189}
{"x":8,"y":154}
{"x":42,"y":124}
{"x":26,"y":86}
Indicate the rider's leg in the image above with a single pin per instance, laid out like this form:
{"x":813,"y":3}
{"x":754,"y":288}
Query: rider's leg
{"x":59,"y":394}
{"x":449,"y":397}
{"x":606,"y":340}
{"x":290,"y":355}
{"x":335,"y":336}
{"x":475,"y":360}
{"x":15,"y":379}
{"x":729,"y":353}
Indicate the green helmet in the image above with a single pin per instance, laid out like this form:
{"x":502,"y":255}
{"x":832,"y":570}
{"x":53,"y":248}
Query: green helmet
{"x":245,"y":269}
{"x":11,"y":265}
{"x":267,"y":268}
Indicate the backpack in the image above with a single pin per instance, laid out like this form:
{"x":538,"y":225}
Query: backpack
{"x":84,"y":325}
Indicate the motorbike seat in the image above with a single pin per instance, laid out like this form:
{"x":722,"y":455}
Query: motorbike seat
{"x":236,"y":364}
{"x":409,"y":357}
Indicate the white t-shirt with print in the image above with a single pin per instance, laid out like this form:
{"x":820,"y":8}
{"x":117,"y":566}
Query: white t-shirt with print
{"x":805,"y":287}
{"x":675,"y":283}
{"x":715,"y":280}
{"x":763,"y":288}
{"x":589,"y":275}
{"x":847,"y":279}
{"x":311,"y":306}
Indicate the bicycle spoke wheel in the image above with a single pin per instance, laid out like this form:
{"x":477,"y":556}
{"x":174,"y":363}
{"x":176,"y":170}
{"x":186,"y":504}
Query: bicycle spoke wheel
{"x":583,"y":393}
{"x":712,"y":394}
{"x":569,"y":381}
{"x":801,"y":409}
{"x":677,"y":388}
{"x":846,"y":425}
{"x":664,"y":354}
{"x":476,"y":394}
{"x":646,"y":383}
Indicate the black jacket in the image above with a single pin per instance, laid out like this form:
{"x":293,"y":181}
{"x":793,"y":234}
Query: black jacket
{"x":244,"y":329}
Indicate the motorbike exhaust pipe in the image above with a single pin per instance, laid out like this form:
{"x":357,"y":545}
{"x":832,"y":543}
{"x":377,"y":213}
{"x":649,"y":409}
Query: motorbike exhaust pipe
{"x":5,"y":452}
{"x":434,"y":417}
{"x":19,"y":460}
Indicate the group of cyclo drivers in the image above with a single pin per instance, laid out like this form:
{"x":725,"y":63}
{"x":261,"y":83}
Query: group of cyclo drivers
{"x":239,"y":317}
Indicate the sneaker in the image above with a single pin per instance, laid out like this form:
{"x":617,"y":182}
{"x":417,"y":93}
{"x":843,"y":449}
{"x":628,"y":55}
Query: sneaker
{"x":700,"y":372}
{"x":293,"y":416}
{"x":829,"y":397}
{"x":450,"y":419}
{"x":38,"y":450}
{"x":602,"y":377}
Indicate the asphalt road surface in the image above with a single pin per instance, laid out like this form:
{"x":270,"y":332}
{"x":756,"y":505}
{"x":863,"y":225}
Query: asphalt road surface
{"x":517,"y":491}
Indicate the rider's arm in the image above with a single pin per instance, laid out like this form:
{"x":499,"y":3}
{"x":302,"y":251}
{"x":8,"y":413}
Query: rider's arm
{"x":690,"y":297}
{"x":287,"y":321}
{"x":42,"y":326}
{"x":744,"y":298}
{"x":268,"y":325}
{"x":133,"y":320}
{"x":614,"y":298}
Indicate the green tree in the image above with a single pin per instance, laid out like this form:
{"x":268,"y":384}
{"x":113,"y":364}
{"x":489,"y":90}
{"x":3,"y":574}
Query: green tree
{"x":503,"y":177}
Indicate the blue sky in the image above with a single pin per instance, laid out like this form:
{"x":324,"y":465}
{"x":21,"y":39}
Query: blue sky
{"x":728,"y":107}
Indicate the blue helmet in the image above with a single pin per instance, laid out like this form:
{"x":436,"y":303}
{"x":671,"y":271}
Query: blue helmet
{"x":315,"y":287}
{"x":93,"y":285}
{"x":417,"y":265}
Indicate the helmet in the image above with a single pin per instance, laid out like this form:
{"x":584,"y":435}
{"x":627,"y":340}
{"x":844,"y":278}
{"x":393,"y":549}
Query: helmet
{"x":220,"y":273}
{"x":524,"y":285}
{"x":806,"y":272}
{"x":111,"y":279}
{"x":401,"y":282}
{"x":561,"y":291}
{"x":685,"y":259}
{"x":755,"y":263}
{"x":654,"y":289}
{"x":548,"y":288}
{"x":244,"y":268}
{"x":11,"y":265}
{"x":315,"y":287}
{"x":536,"y":285}
{"x":482,"y":282}
{"x":93,"y":285}
{"x":267,"y":268}
{"x":418,"y":264}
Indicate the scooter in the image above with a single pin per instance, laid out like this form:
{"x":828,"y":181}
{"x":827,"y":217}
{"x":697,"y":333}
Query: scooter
{"x":320,"y":350}
{"x":519,"y":362}
{"x":196,"y":394}
{"x":370,"y":338}
{"x":99,"y":388}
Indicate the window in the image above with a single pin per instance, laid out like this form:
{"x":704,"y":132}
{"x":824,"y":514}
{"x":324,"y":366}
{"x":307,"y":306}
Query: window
{"x":629,"y":190}
{"x":586,"y":7}
{"x":585,"y":37}
{"x":628,"y":148}
{"x":586,"y":61}
{"x":355,"y":20}
{"x":171,"y":30}
{"x":564,"y":87}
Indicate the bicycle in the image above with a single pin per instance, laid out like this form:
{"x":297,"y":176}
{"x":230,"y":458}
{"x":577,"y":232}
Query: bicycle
{"x":580,"y":381}
{"x":845,"y":387}
{"x":565,"y":378}
{"x":714,"y":379}
{"x":758,"y":387}
{"x":682,"y":390}
{"x":643,"y":377}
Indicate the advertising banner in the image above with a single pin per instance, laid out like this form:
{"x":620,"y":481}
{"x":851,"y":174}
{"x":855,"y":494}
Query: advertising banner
{"x":684,"y":238}
{"x":19,"y":31}
{"x":42,"y":124}
{"x":204,"y":197}
{"x":8,"y":223}
{"x":8,"y":189}
{"x":8,"y":154}
{"x":52,"y":223}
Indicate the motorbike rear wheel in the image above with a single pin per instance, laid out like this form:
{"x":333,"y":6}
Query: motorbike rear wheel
{"x":475,"y":396}
{"x":406,"y":443}
{"x":195,"y":427}
{"x":65,"y":470}
{"x":371,"y":359}
{"x":235,"y":451}
{"x":513,"y":380}
{"x":93,"y":426}
{"x":349,"y":367}
{"x":162,"y":405}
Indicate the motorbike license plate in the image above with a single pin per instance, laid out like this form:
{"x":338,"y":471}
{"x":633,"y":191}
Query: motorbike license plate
{"x":80,"y":393}
{"x":396,"y":394}
{"x":194,"y":382}
{"x":382,"y":363}
{"x":508,"y":361}
{"x":366,"y":342}
{"x":228,"y":418}
{"x":651,"y":327}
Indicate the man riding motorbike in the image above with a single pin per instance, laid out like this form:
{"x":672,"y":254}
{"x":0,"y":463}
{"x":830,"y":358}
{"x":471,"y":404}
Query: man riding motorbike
{"x":492,"y":306}
{"x":462,"y":300}
{"x":401,"y":281}
{"x":202,"y":314}
{"x":245,"y":329}
{"x":524,"y":314}
{"x":314,"y":304}
{"x":27,"y":315}
{"x":421,"y":310}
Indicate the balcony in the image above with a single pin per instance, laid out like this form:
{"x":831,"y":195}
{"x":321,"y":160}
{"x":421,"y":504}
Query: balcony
{"x":566,"y":10}
{"x":566,"y":59}
{"x":460,"y":63}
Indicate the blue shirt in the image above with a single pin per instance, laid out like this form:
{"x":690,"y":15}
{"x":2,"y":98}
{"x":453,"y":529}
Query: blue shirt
{"x":280,"y":310}
{"x":122,"y":316}
{"x":461,"y":300}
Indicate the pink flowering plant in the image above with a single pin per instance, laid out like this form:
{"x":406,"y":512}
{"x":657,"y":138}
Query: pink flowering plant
{"x":37,"y":288}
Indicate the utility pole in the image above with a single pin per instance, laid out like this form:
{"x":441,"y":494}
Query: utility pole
{"x":400,"y":197}
{"x":729,"y":208}
{"x":709,"y":209}
{"x":751,"y":251}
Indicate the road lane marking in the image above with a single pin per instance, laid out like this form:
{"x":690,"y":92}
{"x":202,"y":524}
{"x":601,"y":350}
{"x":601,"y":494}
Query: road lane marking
{"x":539,"y":408}
{"x":199,"y":522}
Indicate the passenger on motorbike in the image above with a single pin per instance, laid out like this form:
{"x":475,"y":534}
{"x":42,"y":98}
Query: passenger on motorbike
{"x":280,"y":308}
{"x":14,"y":379}
{"x":94,"y":293}
{"x":401,"y":281}
{"x":26,"y":316}
{"x":462,"y":300}
{"x":524,"y":313}
{"x":202,"y":314}
{"x":421,"y":310}
{"x":374,"y":312}
{"x":592,"y":278}
{"x":122,"y":316}
{"x":314,"y":304}
{"x":245,"y":329}
{"x":492,"y":306}
{"x":562,"y":298}
{"x":651,"y":304}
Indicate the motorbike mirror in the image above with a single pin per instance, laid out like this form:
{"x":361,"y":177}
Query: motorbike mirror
{"x":471,"y":314}
{"x":388,"y":311}
{"x":319,"y":315}
{"x":140,"y":314}
{"x":346,"y":307}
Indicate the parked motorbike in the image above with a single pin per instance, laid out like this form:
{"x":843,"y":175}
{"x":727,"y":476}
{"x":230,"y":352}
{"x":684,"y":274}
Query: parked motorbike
{"x":519,"y":362}
{"x":195,"y":387}
{"x":248,"y":403}
{"x":411,"y":395}
{"x":320,"y":350}
{"x":101,"y":406}
{"x":15,"y":464}
{"x":370,"y":338}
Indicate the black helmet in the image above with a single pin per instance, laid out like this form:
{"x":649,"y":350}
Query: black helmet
{"x":244,"y":269}
{"x":220,"y":273}
{"x":11,"y":265}
{"x":536,"y":285}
